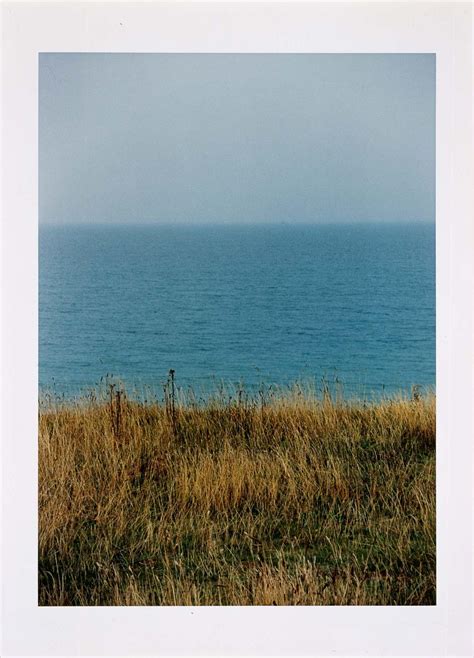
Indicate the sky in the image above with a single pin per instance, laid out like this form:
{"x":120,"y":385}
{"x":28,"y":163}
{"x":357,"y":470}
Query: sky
{"x":227,"y":139}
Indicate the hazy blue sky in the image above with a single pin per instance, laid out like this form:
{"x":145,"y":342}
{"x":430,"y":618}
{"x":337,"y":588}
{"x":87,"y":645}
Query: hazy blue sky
{"x":236,"y":138}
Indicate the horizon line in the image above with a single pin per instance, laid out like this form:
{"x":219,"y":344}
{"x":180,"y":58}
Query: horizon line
{"x":152,"y":223}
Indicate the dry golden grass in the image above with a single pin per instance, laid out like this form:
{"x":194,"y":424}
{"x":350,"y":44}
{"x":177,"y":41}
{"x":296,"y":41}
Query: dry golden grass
{"x":292,"y":502}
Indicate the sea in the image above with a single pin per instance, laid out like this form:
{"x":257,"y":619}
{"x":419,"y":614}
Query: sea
{"x":265,"y":307}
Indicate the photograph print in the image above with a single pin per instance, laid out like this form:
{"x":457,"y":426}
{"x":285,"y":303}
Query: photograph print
{"x":237,"y":401}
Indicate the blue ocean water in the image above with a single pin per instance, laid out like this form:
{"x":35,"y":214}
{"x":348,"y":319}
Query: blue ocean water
{"x":258,"y":304}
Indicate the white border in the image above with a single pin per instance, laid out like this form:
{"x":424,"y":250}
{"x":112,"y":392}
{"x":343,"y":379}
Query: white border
{"x":444,"y":29}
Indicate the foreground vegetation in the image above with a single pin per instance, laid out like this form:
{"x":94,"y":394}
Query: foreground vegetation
{"x":287,"y":501}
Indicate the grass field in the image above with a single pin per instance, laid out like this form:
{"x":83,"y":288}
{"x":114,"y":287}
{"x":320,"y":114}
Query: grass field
{"x":291,"y":500}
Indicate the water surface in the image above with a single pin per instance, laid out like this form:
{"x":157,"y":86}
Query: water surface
{"x":271,"y":304}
